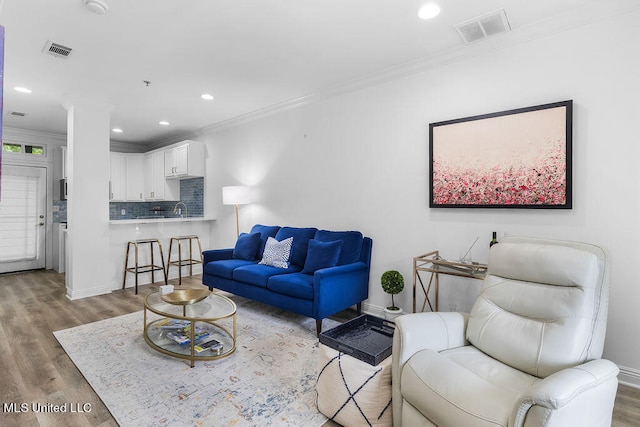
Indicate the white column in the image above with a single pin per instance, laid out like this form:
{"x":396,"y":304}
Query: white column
{"x":88,"y":199}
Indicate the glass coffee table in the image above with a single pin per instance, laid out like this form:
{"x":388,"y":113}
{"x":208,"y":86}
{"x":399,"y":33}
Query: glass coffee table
{"x":194,"y":324}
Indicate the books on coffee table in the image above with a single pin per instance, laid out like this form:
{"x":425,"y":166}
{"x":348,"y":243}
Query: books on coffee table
{"x":168,"y":323}
{"x":183,"y":336}
{"x":211,"y":344}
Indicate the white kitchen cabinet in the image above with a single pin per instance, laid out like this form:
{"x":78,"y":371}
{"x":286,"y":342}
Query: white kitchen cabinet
{"x":59,"y":239}
{"x":134,"y":177}
{"x":127,"y":177}
{"x":117,"y":177}
{"x":157,"y":187}
{"x":185,"y":161}
{"x":64,"y":162}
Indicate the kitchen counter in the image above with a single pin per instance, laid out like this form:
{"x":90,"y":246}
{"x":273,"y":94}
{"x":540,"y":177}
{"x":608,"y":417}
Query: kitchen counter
{"x":163,"y":229}
{"x":157,"y":220}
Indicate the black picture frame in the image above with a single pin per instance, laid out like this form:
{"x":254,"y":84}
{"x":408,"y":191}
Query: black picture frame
{"x":520,"y":158}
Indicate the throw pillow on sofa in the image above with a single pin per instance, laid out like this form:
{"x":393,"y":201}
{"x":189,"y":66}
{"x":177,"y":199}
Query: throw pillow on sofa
{"x":247,"y":246}
{"x":276,"y":254}
{"x":322,"y":255}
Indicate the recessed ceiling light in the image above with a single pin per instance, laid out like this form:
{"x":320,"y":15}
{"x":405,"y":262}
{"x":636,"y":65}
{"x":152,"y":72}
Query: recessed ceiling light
{"x":96,"y":6}
{"x":116,"y":130}
{"x":206,"y":96}
{"x":22,"y":89}
{"x":428,"y":11}
{"x":163,"y":123}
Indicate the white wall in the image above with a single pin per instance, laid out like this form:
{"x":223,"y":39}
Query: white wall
{"x":359,"y":161}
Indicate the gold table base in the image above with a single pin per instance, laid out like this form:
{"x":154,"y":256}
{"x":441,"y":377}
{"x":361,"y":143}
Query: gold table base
{"x":435,"y":265}
{"x":178,"y":311}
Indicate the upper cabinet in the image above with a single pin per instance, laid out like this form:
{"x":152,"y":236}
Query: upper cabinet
{"x":156,"y":186}
{"x":118,"y":177}
{"x":127,"y":177}
{"x":187,"y":160}
{"x":155,"y":175}
{"x":135,"y":177}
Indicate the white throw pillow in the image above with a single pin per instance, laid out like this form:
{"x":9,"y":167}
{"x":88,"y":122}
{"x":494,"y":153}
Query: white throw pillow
{"x":276,"y":254}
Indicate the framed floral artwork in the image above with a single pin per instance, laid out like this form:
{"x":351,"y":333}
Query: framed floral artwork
{"x":511,"y":159}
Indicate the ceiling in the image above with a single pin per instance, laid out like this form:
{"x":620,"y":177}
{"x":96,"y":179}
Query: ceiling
{"x":251,"y":55}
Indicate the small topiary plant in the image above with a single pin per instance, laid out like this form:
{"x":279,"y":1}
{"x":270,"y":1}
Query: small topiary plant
{"x":392,"y":283}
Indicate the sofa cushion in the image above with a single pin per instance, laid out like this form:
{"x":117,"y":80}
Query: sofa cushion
{"x":257,"y":275}
{"x":322,"y":255}
{"x":265,"y":231}
{"x":276,"y":254}
{"x":297,"y":285}
{"x":224,"y":268}
{"x":351,"y":244}
{"x":247,"y":246}
{"x":301,"y":237}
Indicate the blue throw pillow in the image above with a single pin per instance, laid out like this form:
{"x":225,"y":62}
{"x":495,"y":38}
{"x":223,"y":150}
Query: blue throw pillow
{"x":276,"y":254}
{"x":247,"y":246}
{"x":322,"y":255}
{"x":351,"y":244}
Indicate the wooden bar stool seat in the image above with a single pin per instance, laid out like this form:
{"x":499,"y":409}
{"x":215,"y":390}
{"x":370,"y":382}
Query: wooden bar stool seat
{"x":180,"y":262}
{"x":147,"y":268}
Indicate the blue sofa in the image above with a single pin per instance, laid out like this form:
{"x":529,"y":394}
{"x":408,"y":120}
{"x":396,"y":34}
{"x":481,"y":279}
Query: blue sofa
{"x":326,"y":271}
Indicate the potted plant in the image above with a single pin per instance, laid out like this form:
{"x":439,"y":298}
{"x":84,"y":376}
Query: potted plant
{"x":392,"y":283}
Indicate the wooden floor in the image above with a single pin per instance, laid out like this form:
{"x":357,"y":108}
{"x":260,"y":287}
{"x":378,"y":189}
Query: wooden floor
{"x":35,"y":368}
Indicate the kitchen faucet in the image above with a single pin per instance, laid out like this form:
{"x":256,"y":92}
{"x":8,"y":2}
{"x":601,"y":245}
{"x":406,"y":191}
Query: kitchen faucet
{"x":175,"y":209}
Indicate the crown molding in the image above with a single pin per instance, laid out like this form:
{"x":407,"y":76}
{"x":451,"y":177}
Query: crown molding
{"x":257,"y":114}
{"x":576,"y":18}
{"x":27,"y":135}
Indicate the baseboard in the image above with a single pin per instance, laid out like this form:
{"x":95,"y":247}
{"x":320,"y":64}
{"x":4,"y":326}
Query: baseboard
{"x":373,"y":310}
{"x":629,"y":376}
{"x":84,"y":293}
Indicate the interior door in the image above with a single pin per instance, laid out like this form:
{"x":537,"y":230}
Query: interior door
{"x":22,"y":218}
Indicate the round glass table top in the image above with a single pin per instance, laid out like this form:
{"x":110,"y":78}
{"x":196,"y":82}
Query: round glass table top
{"x":212,"y":307}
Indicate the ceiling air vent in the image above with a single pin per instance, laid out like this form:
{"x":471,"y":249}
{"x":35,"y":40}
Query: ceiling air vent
{"x":483,"y":26}
{"x":57,"y":50}
{"x":18,"y":114}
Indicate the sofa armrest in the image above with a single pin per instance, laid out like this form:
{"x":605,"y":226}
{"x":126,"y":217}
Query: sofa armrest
{"x":337,"y":288}
{"x":216,"y":255}
{"x":557,"y":391}
{"x":327,"y":273}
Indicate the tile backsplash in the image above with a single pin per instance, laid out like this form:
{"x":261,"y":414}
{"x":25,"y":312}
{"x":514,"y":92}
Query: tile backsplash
{"x":191,"y":194}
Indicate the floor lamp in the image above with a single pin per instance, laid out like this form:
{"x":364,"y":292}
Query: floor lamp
{"x":236,"y":195}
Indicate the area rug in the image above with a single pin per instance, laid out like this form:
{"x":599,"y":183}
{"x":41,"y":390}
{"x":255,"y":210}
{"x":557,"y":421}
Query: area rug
{"x":270,"y":380}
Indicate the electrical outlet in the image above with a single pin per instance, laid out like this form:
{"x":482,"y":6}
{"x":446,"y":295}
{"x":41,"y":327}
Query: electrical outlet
{"x":123,"y":212}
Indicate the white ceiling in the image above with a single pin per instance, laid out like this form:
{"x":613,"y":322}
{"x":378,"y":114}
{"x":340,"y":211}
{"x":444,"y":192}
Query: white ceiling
{"x":251,"y":55}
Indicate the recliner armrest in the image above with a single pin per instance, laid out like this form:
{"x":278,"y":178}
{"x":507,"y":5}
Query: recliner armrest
{"x":436,"y":331}
{"x":560,"y":389}
{"x":418,"y":331}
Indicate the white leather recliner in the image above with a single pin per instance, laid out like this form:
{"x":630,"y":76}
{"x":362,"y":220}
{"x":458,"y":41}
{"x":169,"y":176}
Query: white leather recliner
{"x":528,"y":354}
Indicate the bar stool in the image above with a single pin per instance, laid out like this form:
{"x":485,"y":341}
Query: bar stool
{"x":184,"y":262}
{"x":140,"y":269}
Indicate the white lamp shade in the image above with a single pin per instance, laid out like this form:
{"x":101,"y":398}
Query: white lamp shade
{"x":236,"y":195}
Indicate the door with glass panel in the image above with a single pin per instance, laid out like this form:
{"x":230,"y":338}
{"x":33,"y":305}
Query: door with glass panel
{"x":22,"y":218}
